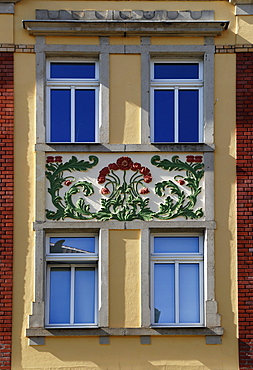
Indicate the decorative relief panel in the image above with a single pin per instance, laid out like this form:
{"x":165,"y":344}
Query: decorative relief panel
{"x":124,"y":188}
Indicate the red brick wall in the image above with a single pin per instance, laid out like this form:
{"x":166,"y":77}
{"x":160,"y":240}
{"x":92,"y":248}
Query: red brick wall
{"x":244,"y":106}
{"x":6,"y":206}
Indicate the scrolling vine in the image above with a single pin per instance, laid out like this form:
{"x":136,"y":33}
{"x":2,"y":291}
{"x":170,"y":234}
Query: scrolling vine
{"x":124,"y":189}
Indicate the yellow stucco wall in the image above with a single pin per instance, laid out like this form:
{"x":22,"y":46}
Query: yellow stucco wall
{"x":6,"y":28}
{"x":125,"y":107}
{"x":125,"y":353}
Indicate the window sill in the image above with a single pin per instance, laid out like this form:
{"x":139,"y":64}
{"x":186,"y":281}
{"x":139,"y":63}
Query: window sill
{"x":203,"y":331}
{"x":94,"y":147}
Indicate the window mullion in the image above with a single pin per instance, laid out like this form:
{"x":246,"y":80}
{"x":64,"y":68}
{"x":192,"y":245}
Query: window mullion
{"x":72,"y":114}
{"x":176,"y":114}
{"x":177,"y":292}
{"x":72,"y":294}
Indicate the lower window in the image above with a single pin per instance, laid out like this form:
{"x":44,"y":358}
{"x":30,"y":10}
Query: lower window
{"x":177,"y":280}
{"x":71,"y":281}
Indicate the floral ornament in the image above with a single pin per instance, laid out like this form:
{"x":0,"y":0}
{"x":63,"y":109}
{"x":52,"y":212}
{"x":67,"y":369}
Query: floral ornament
{"x":51,"y":159}
{"x":178,"y":202}
{"x":64,"y":205}
{"x":125,"y":187}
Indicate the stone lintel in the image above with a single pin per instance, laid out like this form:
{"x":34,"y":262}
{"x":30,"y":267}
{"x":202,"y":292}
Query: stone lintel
{"x":125,"y":28}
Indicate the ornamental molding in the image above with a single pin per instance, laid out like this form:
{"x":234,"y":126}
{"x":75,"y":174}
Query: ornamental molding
{"x":130,"y":23}
{"x":118,"y":188}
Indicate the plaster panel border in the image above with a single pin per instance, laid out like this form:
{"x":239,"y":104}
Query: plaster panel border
{"x":120,"y":225}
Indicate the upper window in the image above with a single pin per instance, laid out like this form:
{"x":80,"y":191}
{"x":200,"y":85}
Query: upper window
{"x":177,"y":280}
{"x":176,"y":102}
{"x":71,"y":281}
{"x":72,"y":97}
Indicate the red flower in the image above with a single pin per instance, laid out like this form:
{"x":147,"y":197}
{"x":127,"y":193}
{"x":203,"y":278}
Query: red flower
{"x":124,"y":163}
{"x":144,"y":191}
{"x":101,"y":179}
{"x":190,"y":158}
{"x":58,"y":159}
{"x":148,"y":178}
{"x":67,"y":182}
{"x":145,"y":171}
{"x":198,"y":158}
{"x":181,"y":182}
{"x":136,"y":166}
{"x":105,"y":191}
{"x":104,"y":172}
{"x":50,"y":159}
{"x":113,"y":166}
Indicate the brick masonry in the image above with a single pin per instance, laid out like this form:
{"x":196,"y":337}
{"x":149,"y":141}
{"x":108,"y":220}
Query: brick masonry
{"x":6,"y":205}
{"x":244,"y":108}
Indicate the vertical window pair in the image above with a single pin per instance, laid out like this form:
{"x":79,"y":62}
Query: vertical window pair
{"x":176,"y":281}
{"x":176,"y":102}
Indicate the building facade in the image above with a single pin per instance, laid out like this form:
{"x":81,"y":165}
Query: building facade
{"x":132,"y":129}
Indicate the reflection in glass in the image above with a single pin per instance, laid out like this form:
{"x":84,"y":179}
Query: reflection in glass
{"x":176,"y":244}
{"x":163,"y":116}
{"x":60,"y":115}
{"x":84,"y":295}
{"x":72,"y":245}
{"x":164,"y":293}
{"x":176,"y":71}
{"x":59,"y":311}
{"x":189,"y":311}
{"x":72,"y":70}
{"x":85,"y":115}
{"x":188,"y":116}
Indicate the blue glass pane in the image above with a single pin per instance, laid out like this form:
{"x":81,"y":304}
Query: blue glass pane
{"x":85,"y":116}
{"x":176,"y":71}
{"x":60,"y":130}
{"x":189,"y":116}
{"x":163,"y":116}
{"x":72,"y":245}
{"x":84,"y":295}
{"x":72,"y":70}
{"x":189,"y":303}
{"x":59,"y":311}
{"x":176,"y":244}
{"x":164,"y":293}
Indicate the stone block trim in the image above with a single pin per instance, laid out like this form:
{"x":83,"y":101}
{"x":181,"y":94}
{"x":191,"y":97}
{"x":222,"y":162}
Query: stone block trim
{"x":19,"y":48}
{"x":44,"y":14}
{"x":239,"y":48}
{"x":6,"y":205}
{"x":244,"y":123}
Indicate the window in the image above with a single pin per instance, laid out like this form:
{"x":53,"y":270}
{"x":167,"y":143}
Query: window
{"x":72,"y":97}
{"x":71,"y":281}
{"x":177,"y":280}
{"x":176,"y":102}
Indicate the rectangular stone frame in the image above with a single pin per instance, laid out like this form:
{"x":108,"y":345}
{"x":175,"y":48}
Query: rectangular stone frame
{"x":36,"y":329}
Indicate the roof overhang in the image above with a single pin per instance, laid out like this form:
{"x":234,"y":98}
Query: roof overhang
{"x":127,"y":28}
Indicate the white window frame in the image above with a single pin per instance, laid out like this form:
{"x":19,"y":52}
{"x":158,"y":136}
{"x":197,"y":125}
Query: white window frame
{"x":72,"y":261}
{"x":176,"y":259}
{"x":176,"y":85}
{"x":72,"y":85}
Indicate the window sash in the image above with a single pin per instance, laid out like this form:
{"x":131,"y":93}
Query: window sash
{"x":71,"y":310}
{"x":76,"y":128}
{"x":173,"y":125}
{"x":177,"y":260}
{"x":72,"y":122}
{"x":172,"y":128}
